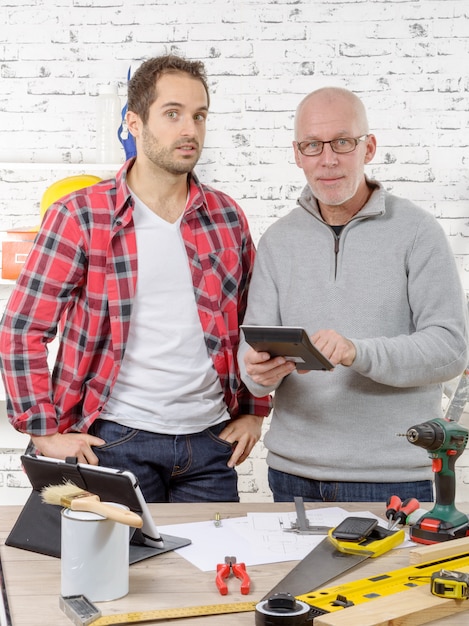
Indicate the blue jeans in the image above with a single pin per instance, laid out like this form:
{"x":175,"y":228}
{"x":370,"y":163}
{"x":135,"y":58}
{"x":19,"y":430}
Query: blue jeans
{"x":171,"y":468}
{"x":287,"y":486}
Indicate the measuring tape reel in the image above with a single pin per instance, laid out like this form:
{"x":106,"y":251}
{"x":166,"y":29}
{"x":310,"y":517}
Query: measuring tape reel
{"x":283,"y":609}
{"x":450,"y":584}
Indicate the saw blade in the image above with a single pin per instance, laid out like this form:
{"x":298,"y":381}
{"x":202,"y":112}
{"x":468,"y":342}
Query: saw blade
{"x":320,"y":566}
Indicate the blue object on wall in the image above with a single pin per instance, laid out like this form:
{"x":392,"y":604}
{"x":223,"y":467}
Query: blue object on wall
{"x":126,"y":138}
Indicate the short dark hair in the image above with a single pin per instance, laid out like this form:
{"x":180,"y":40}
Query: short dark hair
{"x":142,"y":85}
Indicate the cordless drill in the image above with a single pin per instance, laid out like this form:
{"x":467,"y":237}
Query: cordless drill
{"x":445,"y":441}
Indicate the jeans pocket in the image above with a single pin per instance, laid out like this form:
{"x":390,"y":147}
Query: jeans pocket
{"x":214,"y":433}
{"x":113,"y":434}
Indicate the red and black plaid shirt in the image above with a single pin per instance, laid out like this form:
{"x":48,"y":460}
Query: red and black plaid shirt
{"x":81,"y":274}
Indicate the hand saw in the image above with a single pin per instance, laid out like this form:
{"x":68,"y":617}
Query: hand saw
{"x":351,"y":542}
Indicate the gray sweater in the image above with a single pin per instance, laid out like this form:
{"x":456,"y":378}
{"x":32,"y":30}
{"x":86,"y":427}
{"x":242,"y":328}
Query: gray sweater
{"x":390,"y":284}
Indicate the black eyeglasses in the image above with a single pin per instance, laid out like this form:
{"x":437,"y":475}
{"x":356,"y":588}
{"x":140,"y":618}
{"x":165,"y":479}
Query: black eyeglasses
{"x":341,"y":145}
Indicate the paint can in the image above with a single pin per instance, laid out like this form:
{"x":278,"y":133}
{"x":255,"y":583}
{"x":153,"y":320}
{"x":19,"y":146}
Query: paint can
{"x":94,"y":556}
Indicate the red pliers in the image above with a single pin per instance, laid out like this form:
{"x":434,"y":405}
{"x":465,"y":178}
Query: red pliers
{"x":237,"y":569}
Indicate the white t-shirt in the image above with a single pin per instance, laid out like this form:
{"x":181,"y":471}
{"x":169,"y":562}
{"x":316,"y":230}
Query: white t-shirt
{"x":167,"y":382}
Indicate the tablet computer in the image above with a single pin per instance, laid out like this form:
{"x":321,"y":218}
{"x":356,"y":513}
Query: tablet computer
{"x":291,"y":342}
{"x":38,"y":527}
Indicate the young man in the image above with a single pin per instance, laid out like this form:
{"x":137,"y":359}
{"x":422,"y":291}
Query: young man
{"x":146,"y":276}
{"x":373,"y":280}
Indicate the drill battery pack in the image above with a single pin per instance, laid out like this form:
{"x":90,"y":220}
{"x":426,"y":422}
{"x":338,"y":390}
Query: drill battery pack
{"x":429,"y":530}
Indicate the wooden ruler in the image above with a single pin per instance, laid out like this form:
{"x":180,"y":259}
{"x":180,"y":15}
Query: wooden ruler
{"x":84,"y":613}
{"x":165,"y":614}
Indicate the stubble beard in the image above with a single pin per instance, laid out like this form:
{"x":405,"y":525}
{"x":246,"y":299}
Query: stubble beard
{"x":164,"y":157}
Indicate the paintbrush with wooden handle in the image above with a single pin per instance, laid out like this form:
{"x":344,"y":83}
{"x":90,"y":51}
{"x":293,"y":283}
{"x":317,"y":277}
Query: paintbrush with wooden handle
{"x":72,"y":497}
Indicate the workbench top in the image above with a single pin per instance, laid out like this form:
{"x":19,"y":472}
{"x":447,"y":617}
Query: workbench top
{"x":169,"y":580}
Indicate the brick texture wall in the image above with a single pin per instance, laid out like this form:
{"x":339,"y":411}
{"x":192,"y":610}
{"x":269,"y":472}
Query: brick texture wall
{"x":407,"y":59}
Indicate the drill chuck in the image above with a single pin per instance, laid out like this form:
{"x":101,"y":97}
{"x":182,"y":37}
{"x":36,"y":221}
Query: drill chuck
{"x":429,"y":435}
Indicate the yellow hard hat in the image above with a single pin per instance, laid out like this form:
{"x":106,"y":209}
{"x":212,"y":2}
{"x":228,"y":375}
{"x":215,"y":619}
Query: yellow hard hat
{"x":64,"y":186}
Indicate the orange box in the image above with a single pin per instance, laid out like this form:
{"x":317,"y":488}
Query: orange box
{"x":15,"y":249}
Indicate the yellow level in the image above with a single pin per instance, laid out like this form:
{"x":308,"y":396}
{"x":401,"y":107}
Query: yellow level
{"x":162,"y":614}
{"x":336,"y":598}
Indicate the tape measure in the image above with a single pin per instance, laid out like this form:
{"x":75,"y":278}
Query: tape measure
{"x":83,"y":612}
{"x":450,"y":584}
{"x":162,"y":614}
{"x":281,"y":608}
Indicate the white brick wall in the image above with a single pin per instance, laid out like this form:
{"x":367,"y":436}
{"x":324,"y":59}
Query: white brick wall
{"x":407,"y":59}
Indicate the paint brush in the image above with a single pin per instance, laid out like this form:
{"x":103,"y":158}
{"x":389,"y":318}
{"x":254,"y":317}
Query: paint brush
{"x":72,"y":497}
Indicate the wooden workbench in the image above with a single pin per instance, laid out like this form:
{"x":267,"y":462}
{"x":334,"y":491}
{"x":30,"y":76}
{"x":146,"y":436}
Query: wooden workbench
{"x":168,"y":580}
